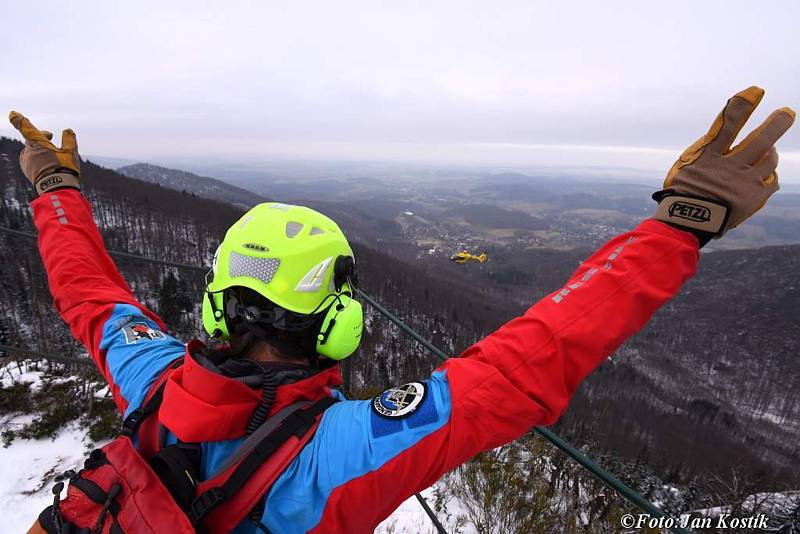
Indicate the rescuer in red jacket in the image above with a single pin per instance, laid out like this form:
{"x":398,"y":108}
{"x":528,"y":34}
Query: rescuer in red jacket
{"x":281,"y":292}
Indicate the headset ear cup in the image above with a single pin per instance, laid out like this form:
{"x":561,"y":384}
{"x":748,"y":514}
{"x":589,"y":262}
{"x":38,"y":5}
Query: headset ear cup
{"x":340,"y":332}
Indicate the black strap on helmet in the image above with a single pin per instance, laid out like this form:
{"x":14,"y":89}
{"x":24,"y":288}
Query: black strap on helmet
{"x":267,"y":313}
{"x":344,"y":271}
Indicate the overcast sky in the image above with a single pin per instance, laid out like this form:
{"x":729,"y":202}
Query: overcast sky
{"x":625,"y":84}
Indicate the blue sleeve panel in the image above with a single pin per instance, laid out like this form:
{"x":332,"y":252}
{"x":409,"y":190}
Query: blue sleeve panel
{"x":136,"y":352}
{"x":351,"y":441}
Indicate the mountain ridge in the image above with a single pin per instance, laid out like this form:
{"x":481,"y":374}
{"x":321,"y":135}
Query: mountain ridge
{"x":202,"y":186}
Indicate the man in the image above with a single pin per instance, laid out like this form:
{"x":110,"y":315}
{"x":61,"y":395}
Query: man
{"x":281,"y":291}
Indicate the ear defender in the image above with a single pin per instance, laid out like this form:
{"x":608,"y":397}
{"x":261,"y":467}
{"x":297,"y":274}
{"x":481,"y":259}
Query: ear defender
{"x":340,"y":333}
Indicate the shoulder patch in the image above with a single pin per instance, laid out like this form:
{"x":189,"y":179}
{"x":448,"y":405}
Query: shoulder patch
{"x":400,"y":401}
{"x":135,"y":332}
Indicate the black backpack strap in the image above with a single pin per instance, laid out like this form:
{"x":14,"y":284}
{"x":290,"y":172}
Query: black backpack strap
{"x":298,"y":423}
{"x":177,"y":466}
{"x":135,"y":419}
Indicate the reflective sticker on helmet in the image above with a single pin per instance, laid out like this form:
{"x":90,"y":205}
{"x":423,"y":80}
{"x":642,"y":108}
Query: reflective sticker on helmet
{"x":135,"y":332}
{"x":216,"y":259}
{"x":262,"y":269}
{"x":312,"y":281}
{"x":399,"y":401}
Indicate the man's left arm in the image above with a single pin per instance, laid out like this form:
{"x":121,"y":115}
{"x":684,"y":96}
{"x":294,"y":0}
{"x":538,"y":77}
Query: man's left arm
{"x":382,"y":451}
{"x":374,"y":454}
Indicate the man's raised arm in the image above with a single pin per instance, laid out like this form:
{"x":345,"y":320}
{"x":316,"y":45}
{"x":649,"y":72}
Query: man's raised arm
{"x":125,"y":340}
{"x":534,"y":363}
{"x":525,"y":373}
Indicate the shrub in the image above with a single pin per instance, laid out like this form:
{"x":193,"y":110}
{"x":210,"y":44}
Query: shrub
{"x":15,"y":398}
{"x":104,"y":422}
{"x":58,"y":400}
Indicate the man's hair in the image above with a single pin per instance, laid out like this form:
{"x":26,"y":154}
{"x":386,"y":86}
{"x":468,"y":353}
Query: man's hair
{"x":292,"y":345}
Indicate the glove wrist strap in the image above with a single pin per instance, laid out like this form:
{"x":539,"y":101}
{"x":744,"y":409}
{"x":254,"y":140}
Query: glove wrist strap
{"x":704,"y":217}
{"x":57,"y":180}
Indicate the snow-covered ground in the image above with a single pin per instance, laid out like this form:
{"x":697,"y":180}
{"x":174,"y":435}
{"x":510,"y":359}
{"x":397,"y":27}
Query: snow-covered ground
{"x":759,"y":503}
{"x":29,"y":466}
{"x":410,"y":518}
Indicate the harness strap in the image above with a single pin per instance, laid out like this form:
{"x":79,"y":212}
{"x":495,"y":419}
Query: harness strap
{"x":134,"y":420}
{"x":253,"y":439}
{"x":131,"y":423}
{"x":296,"y":424}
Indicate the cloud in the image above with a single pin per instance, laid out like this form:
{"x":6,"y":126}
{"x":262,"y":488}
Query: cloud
{"x":193,"y":79}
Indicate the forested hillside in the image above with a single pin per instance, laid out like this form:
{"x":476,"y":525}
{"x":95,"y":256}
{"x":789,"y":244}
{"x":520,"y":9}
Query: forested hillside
{"x":709,"y":387}
{"x":202,"y":186}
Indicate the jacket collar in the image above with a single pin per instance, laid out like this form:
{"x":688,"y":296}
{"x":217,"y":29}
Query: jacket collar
{"x":200,"y":405}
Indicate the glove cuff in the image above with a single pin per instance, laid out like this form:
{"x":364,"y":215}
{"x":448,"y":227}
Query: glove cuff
{"x":704,"y":217}
{"x":57,"y":180}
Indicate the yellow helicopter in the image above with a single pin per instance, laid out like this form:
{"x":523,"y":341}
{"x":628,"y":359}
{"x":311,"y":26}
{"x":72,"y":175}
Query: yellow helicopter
{"x":464,"y":256}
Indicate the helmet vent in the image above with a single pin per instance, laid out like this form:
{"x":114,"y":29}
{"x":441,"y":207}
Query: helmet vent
{"x":316,"y":231}
{"x":293,"y":228}
{"x":262,"y":269}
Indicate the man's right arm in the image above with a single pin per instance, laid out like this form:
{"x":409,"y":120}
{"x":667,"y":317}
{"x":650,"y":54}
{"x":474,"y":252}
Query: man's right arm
{"x":125,"y":340}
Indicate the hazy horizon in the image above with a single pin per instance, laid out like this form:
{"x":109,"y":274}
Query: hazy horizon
{"x":520,"y":85}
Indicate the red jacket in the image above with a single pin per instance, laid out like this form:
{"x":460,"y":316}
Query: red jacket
{"x":367,"y":456}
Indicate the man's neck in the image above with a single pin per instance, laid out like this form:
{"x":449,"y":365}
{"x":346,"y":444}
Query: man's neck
{"x":264,"y":352}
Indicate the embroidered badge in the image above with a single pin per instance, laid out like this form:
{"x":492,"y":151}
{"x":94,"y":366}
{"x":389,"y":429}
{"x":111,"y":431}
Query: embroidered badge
{"x":135,"y":332}
{"x":400,"y":401}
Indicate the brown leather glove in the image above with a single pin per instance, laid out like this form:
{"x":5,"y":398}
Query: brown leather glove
{"x":713,"y":187}
{"x":46,"y":166}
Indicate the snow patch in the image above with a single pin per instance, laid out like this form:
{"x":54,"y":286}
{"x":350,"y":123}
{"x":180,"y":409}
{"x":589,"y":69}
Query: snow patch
{"x":28,"y":468}
{"x":410,"y":518}
{"x":13,"y":374}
